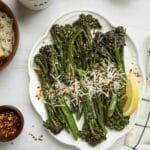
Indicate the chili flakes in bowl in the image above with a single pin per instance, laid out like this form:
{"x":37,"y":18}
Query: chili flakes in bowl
{"x":11,"y":123}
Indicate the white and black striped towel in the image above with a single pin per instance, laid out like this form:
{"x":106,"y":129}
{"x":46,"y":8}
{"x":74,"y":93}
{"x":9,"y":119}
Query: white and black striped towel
{"x":139,"y":136}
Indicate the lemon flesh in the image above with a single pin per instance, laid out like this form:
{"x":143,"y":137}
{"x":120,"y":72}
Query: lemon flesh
{"x":132,"y":93}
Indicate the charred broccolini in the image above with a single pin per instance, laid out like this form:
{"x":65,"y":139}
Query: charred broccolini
{"x":82,"y":73}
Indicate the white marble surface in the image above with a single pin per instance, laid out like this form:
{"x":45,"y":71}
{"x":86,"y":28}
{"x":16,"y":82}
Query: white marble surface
{"x":14,"y":80}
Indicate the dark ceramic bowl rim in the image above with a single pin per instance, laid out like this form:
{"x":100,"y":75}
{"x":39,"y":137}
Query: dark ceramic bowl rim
{"x":5,"y":8}
{"x":20,"y":115}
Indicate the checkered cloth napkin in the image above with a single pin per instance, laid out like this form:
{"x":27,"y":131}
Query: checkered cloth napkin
{"x":139,"y":136}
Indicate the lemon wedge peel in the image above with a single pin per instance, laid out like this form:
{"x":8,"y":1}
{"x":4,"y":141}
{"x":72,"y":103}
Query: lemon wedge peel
{"x":132,"y":92}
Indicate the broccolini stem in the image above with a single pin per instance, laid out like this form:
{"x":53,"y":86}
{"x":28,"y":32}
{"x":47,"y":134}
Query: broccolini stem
{"x":99,"y":114}
{"x":112,"y":105}
{"x":70,"y":59}
{"x":69,"y":118}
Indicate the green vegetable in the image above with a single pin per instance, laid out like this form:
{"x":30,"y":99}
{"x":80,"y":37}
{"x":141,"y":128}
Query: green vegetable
{"x":82,"y":74}
{"x":99,"y":113}
{"x":69,"y":118}
{"x":92,"y":131}
{"x":112,"y":105}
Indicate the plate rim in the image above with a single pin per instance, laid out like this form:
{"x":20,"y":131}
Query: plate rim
{"x":112,"y":25}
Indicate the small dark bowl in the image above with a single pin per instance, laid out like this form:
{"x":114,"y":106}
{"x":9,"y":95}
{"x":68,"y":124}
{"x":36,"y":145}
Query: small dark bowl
{"x":7,"y":10}
{"x":19,"y":114}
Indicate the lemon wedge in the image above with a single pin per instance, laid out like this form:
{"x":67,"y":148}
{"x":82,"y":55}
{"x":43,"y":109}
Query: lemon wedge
{"x":132,"y":93}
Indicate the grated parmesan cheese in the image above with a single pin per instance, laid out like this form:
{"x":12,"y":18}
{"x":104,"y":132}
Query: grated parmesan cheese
{"x":6,"y":33}
{"x":103,"y":80}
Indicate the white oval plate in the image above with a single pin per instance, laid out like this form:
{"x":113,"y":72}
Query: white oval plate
{"x":131,"y":57}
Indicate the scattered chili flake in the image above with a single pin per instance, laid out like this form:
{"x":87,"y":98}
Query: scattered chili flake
{"x":41,"y":136}
{"x":36,"y":138}
{"x":40,"y":139}
{"x":9,"y":124}
{"x":12,"y":143}
{"x":39,"y":93}
{"x":130,"y":71}
{"x":135,"y":71}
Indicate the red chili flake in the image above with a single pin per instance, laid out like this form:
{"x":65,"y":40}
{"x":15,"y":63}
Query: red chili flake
{"x":9,"y":124}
